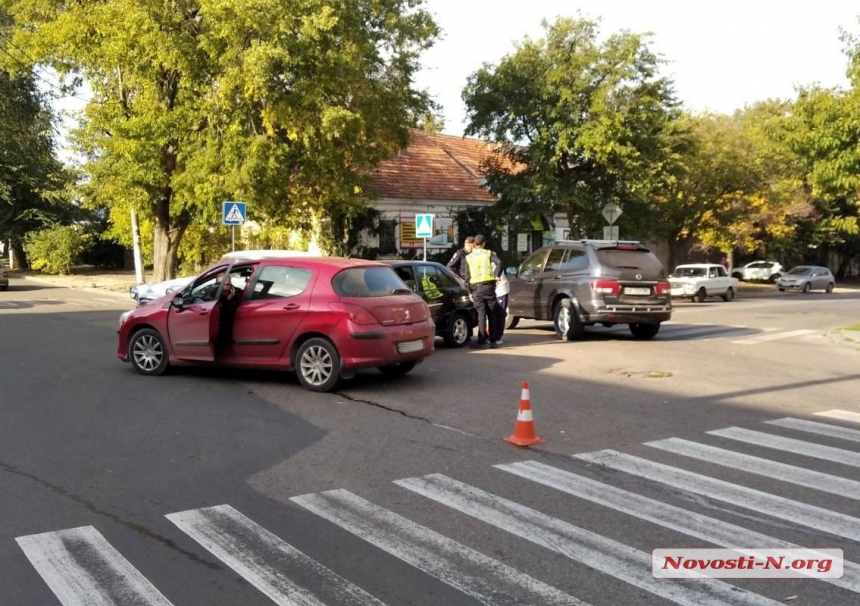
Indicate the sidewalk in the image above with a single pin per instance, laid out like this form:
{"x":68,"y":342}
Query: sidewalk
{"x":115,"y":282}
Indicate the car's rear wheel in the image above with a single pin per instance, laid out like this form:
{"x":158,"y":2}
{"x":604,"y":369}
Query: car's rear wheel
{"x":397,"y":370}
{"x":738,"y":275}
{"x":807,"y":287}
{"x":775,"y":277}
{"x":457,"y":333}
{"x":511,"y":320}
{"x":830,"y":288}
{"x":566,"y":323}
{"x":641,"y":330}
{"x":318,"y":365}
{"x":730,"y":294}
{"x":147,"y":352}
{"x":701,"y":295}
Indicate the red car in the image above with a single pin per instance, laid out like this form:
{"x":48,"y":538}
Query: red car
{"x":323,"y":318}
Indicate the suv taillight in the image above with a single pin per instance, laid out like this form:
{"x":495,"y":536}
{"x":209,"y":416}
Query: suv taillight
{"x":355,"y":313}
{"x":663,"y":288}
{"x":606,"y":287}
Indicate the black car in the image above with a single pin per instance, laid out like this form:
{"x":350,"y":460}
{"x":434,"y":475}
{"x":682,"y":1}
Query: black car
{"x":588,"y":282}
{"x":453,"y":311}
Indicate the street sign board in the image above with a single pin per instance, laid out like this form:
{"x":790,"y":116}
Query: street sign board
{"x":234,"y":213}
{"x":424,"y":226}
{"x":611,"y":212}
{"x":610,"y":232}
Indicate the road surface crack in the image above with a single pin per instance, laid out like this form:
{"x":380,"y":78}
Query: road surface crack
{"x":404,"y":414}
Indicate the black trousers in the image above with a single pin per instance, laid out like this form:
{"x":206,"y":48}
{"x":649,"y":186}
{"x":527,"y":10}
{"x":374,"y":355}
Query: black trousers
{"x":487,"y":306}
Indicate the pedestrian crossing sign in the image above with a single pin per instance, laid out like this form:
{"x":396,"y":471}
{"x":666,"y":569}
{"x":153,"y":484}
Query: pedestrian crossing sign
{"x":233,"y":213}
{"x":424,"y":226}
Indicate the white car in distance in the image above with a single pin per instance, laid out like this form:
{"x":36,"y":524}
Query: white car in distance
{"x":759,"y":271}
{"x":698,"y":281}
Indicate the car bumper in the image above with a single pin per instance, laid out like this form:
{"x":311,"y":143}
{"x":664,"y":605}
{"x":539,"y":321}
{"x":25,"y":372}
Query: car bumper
{"x":626,"y":314}
{"x":372,"y":346}
{"x":791,"y":286}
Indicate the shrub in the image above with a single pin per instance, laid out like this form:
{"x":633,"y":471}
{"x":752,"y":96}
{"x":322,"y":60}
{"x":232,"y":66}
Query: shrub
{"x":55,"y":249}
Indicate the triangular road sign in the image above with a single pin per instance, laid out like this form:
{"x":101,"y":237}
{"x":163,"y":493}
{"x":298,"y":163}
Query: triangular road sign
{"x":235,"y":215}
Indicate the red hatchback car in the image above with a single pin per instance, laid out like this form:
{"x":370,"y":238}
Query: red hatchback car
{"x":323,"y":318}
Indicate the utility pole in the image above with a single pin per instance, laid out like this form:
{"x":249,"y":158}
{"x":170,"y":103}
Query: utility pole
{"x":135,"y":239}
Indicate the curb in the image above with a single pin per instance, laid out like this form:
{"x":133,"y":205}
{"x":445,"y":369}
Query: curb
{"x":123,"y":294}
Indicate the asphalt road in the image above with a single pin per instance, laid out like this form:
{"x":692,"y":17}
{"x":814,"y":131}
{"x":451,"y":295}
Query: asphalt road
{"x":85,"y":443}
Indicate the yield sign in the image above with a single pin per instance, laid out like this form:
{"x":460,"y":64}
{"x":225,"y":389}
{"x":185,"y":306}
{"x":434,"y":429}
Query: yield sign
{"x":611,"y":212}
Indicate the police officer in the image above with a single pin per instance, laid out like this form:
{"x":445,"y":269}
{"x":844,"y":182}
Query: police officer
{"x":457,"y":264}
{"x":483,"y":268}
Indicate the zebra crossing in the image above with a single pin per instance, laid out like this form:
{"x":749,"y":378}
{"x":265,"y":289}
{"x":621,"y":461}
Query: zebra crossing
{"x":81,"y":567}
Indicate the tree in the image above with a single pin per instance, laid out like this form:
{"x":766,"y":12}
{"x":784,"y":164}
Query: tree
{"x":577,"y":123}
{"x":32,"y":181}
{"x":286,"y":105}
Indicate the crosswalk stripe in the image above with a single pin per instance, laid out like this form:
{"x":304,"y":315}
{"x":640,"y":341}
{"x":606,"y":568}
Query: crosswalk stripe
{"x":704,"y":332}
{"x":593,"y":550}
{"x":809,"y":449}
{"x":83,"y":569}
{"x":842,"y":415}
{"x":835,"y":523}
{"x":483,"y":578}
{"x":773,"y":337}
{"x":822,"y":429}
{"x":266,"y":561}
{"x":763,"y":467}
{"x":675,"y":518}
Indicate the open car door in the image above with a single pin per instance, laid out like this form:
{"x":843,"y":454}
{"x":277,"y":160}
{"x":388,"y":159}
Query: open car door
{"x":192,"y":327}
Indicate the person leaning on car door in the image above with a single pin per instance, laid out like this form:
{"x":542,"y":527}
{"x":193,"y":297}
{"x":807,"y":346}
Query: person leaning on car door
{"x":457,"y":264}
{"x":483,"y":268}
{"x":229,"y":301}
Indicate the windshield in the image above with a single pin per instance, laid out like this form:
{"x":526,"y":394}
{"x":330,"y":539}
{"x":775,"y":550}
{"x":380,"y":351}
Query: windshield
{"x":690,"y":272}
{"x":368,"y":282}
{"x":799,"y":271}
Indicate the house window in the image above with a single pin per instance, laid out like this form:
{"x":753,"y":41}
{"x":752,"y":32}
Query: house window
{"x":387,"y":238}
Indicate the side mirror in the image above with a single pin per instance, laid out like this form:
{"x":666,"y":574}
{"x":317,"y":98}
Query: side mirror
{"x":177,"y":302}
{"x":511,"y":271}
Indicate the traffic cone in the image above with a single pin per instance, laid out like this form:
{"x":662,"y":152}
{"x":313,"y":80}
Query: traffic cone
{"x":524,"y":430}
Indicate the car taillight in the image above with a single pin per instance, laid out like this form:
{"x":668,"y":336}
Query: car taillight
{"x":606,"y":287}
{"x":663,"y":288}
{"x":355,"y":313}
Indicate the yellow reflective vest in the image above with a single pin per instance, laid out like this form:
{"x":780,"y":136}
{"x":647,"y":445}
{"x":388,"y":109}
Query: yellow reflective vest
{"x":480,"y":266}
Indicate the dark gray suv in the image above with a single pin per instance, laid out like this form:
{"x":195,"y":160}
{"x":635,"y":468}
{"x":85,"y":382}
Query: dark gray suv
{"x":587,"y":282}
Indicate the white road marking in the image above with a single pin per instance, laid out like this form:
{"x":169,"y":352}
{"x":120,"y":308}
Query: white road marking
{"x":483,"y":578}
{"x":809,"y":449}
{"x":668,"y":516}
{"x":762,"y":467}
{"x":593,"y":550}
{"x":842,"y":415}
{"x":83,"y":569}
{"x":822,"y":429}
{"x":267,"y":562}
{"x":825,"y":520}
{"x":773,"y":337}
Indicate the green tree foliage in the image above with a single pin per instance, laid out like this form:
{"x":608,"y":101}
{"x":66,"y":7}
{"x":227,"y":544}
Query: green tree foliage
{"x":55,"y":249}
{"x":284,"y":104}
{"x":32,"y":181}
{"x":578,"y":123}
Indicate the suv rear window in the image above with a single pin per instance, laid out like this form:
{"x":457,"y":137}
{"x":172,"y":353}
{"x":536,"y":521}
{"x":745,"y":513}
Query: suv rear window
{"x":624,"y":258}
{"x":367,"y":282}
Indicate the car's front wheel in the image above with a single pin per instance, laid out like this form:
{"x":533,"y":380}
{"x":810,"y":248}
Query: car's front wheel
{"x":830,"y":288}
{"x":807,"y":287}
{"x":730,"y":294}
{"x":641,"y":330}
{"x":148,"y":352}
{"x":566,"y":323}
{"x":318,"y":365}
{"x":458,"y":331}
{"x":397,"y":370}
{"x":511,"y":320}
{"x":701,"y":295}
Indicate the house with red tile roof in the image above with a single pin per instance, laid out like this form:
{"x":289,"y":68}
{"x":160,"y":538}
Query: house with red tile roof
{"x":437,"y":174}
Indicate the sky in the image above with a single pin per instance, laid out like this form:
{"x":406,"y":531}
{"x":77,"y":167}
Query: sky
{"x":721,"y":54}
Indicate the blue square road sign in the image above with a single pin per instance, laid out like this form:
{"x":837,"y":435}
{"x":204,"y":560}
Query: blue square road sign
{"x":424,"y":226}
{"x":234,"y":213}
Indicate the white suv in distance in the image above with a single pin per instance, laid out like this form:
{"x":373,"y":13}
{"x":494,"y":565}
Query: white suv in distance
{"x":759,"y":271}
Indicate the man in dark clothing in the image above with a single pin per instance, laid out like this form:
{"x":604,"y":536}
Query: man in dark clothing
{"x":457,"y":264}
{"x":229,"y":301}
{"x":483,"y":269}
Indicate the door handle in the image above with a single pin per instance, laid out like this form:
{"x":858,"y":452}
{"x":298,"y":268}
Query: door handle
{"x":292,"y":306}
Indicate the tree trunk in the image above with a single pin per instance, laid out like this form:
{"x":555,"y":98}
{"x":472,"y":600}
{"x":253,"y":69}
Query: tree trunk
{"x":165,"y":244}
{"x":18,"y":260}
{"x":572,"y":222}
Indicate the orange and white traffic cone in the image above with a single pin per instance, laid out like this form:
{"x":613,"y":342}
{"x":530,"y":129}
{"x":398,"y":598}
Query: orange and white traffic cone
{"x":524,"y":430}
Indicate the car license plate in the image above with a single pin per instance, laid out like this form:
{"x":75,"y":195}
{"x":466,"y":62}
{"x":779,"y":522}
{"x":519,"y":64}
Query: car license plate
{"x":637,"y":291}
{"x":410,"y":346}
